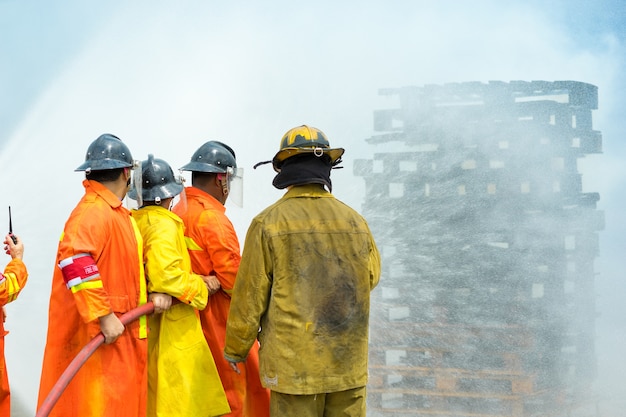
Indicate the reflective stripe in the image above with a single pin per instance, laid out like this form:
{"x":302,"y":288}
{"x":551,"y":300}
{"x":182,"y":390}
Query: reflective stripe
{"x":143,"y":292}
{"x":13,"y":285}
{"x":89,"y":285}
{"x":191,"y":244}
{"x":188,"y":296}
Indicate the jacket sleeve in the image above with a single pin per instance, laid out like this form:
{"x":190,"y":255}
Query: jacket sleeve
{"x":12,"y":281}
{"x":165,"y":267}
{"x":84,"y":237}
{"x":222,"y":246}
{"x":251,"y":295}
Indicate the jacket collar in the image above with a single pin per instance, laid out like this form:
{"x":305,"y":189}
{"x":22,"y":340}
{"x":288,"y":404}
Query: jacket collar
{"x":206,"y":199}
{"x":106,"y":194}
{"x":307,"y":190}
{"x":161,"y":211}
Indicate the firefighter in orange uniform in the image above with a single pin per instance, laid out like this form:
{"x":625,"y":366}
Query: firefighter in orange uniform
{"x":11,"y":283}
{"x":214,"y":250}
{"x":98,"y":277}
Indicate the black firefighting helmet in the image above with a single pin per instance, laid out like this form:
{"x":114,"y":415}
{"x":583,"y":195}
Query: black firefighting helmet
{"x":106,"y":152}
{"x":157,"y":181}
{"x":213,"y":156}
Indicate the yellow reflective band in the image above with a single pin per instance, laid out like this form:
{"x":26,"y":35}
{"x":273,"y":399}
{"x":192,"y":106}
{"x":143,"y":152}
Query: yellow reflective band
{"x":143,"y":293}
{"x":89,"y":285}
{"x":191,"y":244}
{"x":187,"y":296}
{"x":13,"y":287}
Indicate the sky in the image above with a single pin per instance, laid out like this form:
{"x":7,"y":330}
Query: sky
{"x":167,"y":76}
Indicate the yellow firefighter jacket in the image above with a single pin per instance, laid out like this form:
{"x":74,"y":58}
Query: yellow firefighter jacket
{"x":182,"y":377}
{"x":308,"y":266}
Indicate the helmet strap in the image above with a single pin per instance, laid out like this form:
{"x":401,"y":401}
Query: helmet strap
{"x":223,"y":179}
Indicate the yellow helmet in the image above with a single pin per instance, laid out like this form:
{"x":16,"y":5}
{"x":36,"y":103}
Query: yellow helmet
{"x":305,"y":139}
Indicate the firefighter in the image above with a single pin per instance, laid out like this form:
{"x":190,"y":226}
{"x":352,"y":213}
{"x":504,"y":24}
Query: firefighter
{"x":98,"y":276}
{"x":11,"y":283}
{"x":182,"y":377}
{"x":309,"y":263}
{"x":214,"y":250}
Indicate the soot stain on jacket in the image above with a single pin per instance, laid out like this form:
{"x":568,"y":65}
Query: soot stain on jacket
{"x":336,"y":306}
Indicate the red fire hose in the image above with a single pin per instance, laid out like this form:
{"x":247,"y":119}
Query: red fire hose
{"x":82,"y":357}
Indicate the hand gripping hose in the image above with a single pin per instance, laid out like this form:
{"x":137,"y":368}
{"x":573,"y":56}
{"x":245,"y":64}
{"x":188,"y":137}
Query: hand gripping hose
{"x":82,"y":357}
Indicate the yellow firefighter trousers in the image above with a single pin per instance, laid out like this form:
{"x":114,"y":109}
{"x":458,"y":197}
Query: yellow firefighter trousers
{"x":350,"y":403}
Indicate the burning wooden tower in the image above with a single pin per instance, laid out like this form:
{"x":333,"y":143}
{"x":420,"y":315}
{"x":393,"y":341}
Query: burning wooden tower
{"x":486,"y":304}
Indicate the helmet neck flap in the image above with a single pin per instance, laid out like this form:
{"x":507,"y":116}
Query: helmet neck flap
{"x":304,"y":169}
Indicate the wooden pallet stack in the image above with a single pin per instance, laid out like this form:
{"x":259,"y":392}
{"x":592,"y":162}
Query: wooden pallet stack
{"x":486,"y":304}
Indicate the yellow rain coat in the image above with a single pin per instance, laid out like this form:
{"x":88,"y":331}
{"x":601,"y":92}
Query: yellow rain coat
{"x":308,"y":266}
{"x":182,"y":377}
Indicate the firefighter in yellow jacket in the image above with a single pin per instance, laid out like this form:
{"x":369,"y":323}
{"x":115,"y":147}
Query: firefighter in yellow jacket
{"x":182,"y":377}
{"x":11,"y":283}
{"x":308,"y":265}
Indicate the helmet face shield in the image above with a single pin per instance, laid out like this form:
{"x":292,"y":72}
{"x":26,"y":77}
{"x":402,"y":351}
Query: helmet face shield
{"x":133,"y":196}
{"x":180,"y":199}
{"x":234,"y":178}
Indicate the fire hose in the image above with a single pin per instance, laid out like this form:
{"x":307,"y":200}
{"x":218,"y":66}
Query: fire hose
{"x":81,"y":358}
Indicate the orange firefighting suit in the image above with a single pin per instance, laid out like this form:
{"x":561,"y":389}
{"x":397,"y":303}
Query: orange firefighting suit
{"x":308,"y":266}
{"x":214,"y":250}
{"x":182,"y":377}
{"x":98,"y":271}
{"x":11,"y":283}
